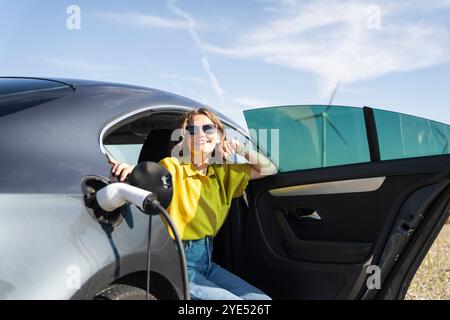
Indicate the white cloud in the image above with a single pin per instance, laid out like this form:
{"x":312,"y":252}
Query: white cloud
{"x":144,"y":20}
{"x":186,"y":22}
{"x":191,"y":27}
{"x":212,"y":78}
{"x":331,"y":40}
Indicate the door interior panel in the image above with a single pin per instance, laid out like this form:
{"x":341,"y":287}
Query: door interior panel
{"x":323,"y":256}
{"x":320,"y":251}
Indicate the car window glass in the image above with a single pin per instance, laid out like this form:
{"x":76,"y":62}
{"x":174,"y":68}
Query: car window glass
{"x":128,"y":153}
{"x":406,"y":136}
{"x":303,"y":137}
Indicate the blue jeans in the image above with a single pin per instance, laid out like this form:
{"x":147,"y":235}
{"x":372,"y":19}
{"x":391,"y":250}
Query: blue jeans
{"x":209,"y":281}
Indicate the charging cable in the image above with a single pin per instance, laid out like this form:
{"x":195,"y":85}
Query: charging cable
{"x":116,"y":194}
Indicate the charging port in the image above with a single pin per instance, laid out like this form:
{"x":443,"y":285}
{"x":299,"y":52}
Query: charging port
{"x":89,"y":186}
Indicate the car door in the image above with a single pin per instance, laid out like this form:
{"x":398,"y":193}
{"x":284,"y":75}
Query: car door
{"x":359,"y":198}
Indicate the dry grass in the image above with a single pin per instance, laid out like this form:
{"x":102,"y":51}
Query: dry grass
{"x":432,"y":280}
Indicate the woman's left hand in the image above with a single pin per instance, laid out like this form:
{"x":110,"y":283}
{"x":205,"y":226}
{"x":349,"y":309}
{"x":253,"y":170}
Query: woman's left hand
{"x":229,"y":147}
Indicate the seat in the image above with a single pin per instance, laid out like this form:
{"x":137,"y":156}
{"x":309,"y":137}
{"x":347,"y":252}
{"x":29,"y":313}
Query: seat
{"x":156,"y":146}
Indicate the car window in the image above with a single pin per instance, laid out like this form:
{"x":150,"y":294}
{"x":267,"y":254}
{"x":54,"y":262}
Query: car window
{"x":406,"y":136}
{"x":303,"y":137}
{"x":128,"y":153}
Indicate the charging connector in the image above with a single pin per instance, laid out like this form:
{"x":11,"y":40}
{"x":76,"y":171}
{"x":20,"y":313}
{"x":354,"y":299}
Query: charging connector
{"x":115,"y":195}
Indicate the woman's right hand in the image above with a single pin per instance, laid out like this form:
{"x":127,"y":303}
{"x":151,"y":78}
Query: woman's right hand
{"x":122,"y":170}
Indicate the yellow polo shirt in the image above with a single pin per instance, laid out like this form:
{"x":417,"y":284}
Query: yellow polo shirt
{"x":200,"y":202}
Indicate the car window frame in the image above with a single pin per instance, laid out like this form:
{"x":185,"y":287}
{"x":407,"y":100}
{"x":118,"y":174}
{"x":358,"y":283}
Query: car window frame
{"x":135,"y":114}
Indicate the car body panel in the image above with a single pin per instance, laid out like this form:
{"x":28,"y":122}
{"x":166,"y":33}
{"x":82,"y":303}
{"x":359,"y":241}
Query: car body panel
{"x":56,"y":250}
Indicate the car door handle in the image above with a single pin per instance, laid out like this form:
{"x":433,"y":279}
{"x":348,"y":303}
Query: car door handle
{"x":314,"y":216}
{"x":302,"y":214}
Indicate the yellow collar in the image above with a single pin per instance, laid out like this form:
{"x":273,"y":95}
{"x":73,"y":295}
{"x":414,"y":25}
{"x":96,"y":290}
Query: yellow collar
{"x":191,"y":170}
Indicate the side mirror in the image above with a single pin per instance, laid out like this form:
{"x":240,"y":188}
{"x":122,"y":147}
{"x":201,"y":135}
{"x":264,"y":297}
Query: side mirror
{"x":153,"y":177}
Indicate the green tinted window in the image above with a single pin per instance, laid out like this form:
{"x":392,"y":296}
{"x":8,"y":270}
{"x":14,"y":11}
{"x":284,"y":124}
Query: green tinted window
{"x":405,"y":136}
{"x":303,"y":137}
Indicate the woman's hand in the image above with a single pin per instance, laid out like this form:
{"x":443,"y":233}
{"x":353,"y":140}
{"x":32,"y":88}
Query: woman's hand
{"x":230,"y":147}
{"x":121,"y":169}
{"x":261,"y":166}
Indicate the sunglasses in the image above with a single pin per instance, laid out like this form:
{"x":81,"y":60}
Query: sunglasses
{"x":208,"y":129}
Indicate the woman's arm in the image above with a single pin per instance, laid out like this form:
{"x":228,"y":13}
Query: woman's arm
{"x":260,"y":164}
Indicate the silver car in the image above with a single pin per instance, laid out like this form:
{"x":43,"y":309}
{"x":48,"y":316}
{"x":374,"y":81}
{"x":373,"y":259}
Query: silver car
{"x":359,"y":198}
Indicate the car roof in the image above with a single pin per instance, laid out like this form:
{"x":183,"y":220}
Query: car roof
{"x":14,"y":86}
{"x":21,"y":85}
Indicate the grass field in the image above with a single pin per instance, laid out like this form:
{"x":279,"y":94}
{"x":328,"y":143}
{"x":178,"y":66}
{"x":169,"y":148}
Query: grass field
{"x":432,"y":280}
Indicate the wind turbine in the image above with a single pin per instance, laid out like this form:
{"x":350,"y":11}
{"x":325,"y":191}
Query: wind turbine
{"x":326,"y":120}
{"x":445,"y":149}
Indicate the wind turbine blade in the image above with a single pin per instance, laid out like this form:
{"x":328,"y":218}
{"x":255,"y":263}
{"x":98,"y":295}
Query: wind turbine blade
{"x":333,"y":95}
{"x":445,"y":149}
{"x":310,"y":117}
{"x":336,"y":130}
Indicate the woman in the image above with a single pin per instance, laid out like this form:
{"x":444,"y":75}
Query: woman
{"x":203,"y":189}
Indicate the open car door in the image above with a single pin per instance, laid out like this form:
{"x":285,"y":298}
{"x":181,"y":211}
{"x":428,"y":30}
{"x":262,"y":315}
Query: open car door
{"x":359,"y":198}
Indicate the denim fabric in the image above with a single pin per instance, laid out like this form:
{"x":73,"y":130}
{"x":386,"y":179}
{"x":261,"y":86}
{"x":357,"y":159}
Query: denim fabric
{"x":209,"y":281}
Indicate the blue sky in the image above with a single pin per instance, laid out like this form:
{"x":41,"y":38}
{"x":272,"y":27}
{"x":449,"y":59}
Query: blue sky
{"x":235,"y":55}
